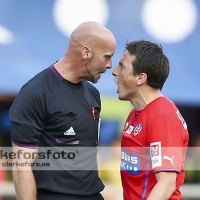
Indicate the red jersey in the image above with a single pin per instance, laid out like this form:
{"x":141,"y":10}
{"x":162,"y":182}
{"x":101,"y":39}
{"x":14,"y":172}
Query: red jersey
{"x":154,"y":139}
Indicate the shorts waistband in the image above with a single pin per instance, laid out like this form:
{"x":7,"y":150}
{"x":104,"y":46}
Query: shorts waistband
{"x":45,"y":195}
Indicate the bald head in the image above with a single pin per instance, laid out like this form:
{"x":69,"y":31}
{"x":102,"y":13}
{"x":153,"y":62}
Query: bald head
{"x":90,"y":33}
{"x":89,"y":53}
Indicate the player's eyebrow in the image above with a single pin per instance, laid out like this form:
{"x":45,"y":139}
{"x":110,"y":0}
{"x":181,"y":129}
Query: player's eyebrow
{"x":121,"y":64}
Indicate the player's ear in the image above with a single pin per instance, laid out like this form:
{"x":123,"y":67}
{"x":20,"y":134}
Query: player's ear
{"x":142,"y":78}
{"x":86,"y":53}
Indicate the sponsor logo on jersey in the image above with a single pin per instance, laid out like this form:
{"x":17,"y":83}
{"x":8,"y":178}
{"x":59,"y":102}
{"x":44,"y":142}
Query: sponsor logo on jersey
{"x":137,"y":129}
{"x":168,"y":158}
{"x":130,"y":129}
{"x":181,"y":118}
{"x":70,"y":131}
{"x":130,"y":162}
{"x":156,"y":154}
{"x":126,"y":125}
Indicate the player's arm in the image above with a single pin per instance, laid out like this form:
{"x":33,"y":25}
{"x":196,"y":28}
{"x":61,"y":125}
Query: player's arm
{"x":24,"y":181}
{"x":165,"y":186}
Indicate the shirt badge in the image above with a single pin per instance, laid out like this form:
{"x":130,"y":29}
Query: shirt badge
{"x":126,"y":125}
{"x":156,"y":154}
{"x":130,"y":129}
{"x":137,"y":129}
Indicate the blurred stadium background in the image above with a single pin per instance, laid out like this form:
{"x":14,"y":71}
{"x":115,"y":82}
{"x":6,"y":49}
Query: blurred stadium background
{"x":34,"y":34}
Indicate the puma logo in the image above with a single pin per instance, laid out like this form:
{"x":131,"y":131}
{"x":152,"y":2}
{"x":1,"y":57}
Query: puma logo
{"x":168,"y":158}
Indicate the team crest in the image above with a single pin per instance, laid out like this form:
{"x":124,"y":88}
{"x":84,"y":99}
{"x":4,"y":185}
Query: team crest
{"x":156,"y":155}
{"x":137,"y":129}
{"x":155,"y":150}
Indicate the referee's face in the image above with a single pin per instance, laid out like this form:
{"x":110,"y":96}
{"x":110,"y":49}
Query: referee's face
{"x":100,"y":61}
{"x":125,"y":78}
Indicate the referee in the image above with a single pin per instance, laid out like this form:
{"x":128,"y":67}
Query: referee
{"x":59,"y":108}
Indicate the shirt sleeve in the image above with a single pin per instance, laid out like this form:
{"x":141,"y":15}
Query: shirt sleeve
{"x":165,"y":143}
{"x":27,"y":116}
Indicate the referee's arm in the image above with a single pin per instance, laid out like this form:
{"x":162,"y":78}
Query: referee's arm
{"x":24,"y":181}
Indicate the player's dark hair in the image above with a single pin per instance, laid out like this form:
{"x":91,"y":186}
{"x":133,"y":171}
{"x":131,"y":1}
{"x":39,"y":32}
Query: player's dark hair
{"x":151,"y":60}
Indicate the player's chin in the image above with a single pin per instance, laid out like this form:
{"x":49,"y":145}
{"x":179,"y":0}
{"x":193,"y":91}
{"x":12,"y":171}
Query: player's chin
{"x":122,"y":97}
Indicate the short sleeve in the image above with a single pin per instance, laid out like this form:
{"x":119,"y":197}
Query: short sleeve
{"x":27,"y":115}
{"x":165,"y":142}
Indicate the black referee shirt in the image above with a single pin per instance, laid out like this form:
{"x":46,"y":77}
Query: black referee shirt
{"x":50,"y":111}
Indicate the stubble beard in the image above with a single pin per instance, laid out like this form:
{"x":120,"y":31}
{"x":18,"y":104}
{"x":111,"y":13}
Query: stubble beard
{"x":92,"y":78}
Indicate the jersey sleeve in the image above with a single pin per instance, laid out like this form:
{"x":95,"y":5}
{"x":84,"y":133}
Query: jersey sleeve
{"x":165,"y":143}
{"x":27,"y":115}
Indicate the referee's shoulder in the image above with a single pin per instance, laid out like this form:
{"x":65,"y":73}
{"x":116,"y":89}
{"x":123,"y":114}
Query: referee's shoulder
{"x":91,"y":88}
{"x":37,"y":85}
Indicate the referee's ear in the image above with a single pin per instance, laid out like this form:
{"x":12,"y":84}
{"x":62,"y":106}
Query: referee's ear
{"x":86,"y":53}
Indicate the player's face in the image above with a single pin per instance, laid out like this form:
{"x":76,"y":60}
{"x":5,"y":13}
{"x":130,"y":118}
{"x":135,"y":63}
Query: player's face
{"x":100,"y":61}
{"x":125,"y":78}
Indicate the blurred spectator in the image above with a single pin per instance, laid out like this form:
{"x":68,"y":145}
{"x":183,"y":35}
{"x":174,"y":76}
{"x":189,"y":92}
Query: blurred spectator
{"x":109,"y":132}
{"x":2,"y":178}
{"x":5,"y":128}
{"x":193,"y":162}
{"x":109,"y":159}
